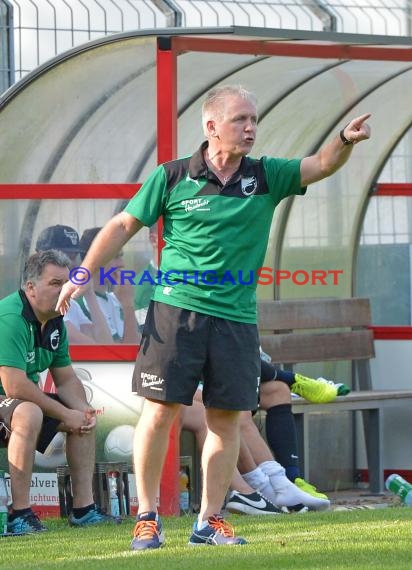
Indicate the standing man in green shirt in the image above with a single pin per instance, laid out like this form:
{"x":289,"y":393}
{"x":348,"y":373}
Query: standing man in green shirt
{"x":217,"y":208}
{"x":34,"y":339}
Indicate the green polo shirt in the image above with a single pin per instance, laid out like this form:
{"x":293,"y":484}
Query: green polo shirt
{"x":24,"y":345}
{"x":215,"y":235}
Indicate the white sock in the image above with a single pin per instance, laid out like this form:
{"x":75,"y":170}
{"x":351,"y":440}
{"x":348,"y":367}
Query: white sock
{"x":270,"y":468}
{"x":287,"y":494}
{"x":201,"y":524}
{"x":257,"y":479}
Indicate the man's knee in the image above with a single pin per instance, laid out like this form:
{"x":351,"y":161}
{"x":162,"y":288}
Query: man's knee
{"x":27,"y":417}
{"x":160,"y":414}
{"x":245,"y":419}
{"x":274,"y":393}
{"x":222,"y":420}
{"x":192,"y":418}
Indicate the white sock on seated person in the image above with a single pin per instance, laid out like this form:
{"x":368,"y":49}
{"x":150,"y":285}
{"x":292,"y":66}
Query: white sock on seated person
{"x":269,"y":478}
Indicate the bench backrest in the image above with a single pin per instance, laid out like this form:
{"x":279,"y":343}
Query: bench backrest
{"x":316,"y":330}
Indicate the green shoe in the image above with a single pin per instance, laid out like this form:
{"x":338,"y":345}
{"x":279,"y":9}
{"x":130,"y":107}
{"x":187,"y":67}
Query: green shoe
{"x":317,"y":391}
{"x":309,"y":489}
{"x":343,"y":389}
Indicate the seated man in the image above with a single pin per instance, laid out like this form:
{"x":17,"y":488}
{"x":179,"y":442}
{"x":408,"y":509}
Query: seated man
{"x":117,"y":305}
{"x":266,"y":478}
{"x":276,"y":390}
{"x":34,"y":338}
{"x":80,"y":329}
{"x":258,"y":475}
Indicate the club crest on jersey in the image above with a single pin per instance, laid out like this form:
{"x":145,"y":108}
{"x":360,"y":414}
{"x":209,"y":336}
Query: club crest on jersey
{"x":248,"y":185}
{"x":54,"y":339}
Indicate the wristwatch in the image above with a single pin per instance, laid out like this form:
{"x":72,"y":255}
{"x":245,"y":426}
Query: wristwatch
{"x":343,"y":138}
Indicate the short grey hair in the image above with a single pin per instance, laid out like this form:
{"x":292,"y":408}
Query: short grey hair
{"x":35,"y":264}
{"x":213,"y":106}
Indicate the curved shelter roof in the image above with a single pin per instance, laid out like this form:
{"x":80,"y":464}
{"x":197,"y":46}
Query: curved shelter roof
{"x":89,"y":116}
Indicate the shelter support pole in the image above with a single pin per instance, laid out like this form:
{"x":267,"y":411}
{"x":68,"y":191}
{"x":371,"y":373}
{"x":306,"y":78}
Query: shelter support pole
{"x":166,"y":150}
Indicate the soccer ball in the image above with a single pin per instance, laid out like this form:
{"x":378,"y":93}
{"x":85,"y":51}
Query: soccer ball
{"x":119,"y":444}
{"x":54,"y":454}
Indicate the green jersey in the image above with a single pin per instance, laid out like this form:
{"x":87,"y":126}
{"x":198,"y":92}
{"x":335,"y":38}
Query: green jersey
{"x":24,"y":345}
{"x":215,"y":235}
{"x":143,"y":292}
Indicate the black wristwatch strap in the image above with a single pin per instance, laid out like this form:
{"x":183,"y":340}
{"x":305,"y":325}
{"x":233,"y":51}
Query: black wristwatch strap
{"x":343,"y":138}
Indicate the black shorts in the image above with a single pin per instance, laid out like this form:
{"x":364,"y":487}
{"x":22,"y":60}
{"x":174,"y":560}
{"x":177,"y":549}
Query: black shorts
{"x":180,"y":347}
{"x":48,"y":430}
{"x":267,"y":371}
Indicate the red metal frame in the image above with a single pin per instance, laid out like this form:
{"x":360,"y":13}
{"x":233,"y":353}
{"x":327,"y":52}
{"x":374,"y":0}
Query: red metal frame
{"x":166,"y":151}
{"x":363,"y":474}
{"x":67,"y":191}
{"x":394,"y":189}
{"x":268,"y":46}
{"x":166,"y":102}
{"x":104,"y":353}
{"x":392,"y":333}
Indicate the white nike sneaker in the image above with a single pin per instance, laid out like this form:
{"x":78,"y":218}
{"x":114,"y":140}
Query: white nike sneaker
{"x":252,"y":504}
{"x":286,"y":493}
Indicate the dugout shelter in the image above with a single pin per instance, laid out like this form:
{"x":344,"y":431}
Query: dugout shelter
{"x":80,"y":132}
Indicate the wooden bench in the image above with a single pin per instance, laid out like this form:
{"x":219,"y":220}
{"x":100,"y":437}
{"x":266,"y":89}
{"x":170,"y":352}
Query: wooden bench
{"x":371,"y":403}
{"x":321,"y":330}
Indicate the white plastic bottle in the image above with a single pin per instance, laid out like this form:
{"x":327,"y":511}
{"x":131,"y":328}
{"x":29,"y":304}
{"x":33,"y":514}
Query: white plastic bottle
{"x":184,"y":491}
{"x":4,"y":499}
{"x":114,"y":498}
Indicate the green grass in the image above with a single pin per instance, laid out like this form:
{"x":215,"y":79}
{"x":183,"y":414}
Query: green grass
{"x":355,"y":539}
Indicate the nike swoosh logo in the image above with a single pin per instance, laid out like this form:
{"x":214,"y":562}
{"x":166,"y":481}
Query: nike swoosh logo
{"x":261,"y":504}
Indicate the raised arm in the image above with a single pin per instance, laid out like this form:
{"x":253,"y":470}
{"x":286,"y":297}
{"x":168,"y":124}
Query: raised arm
{"x":335,"y":153}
